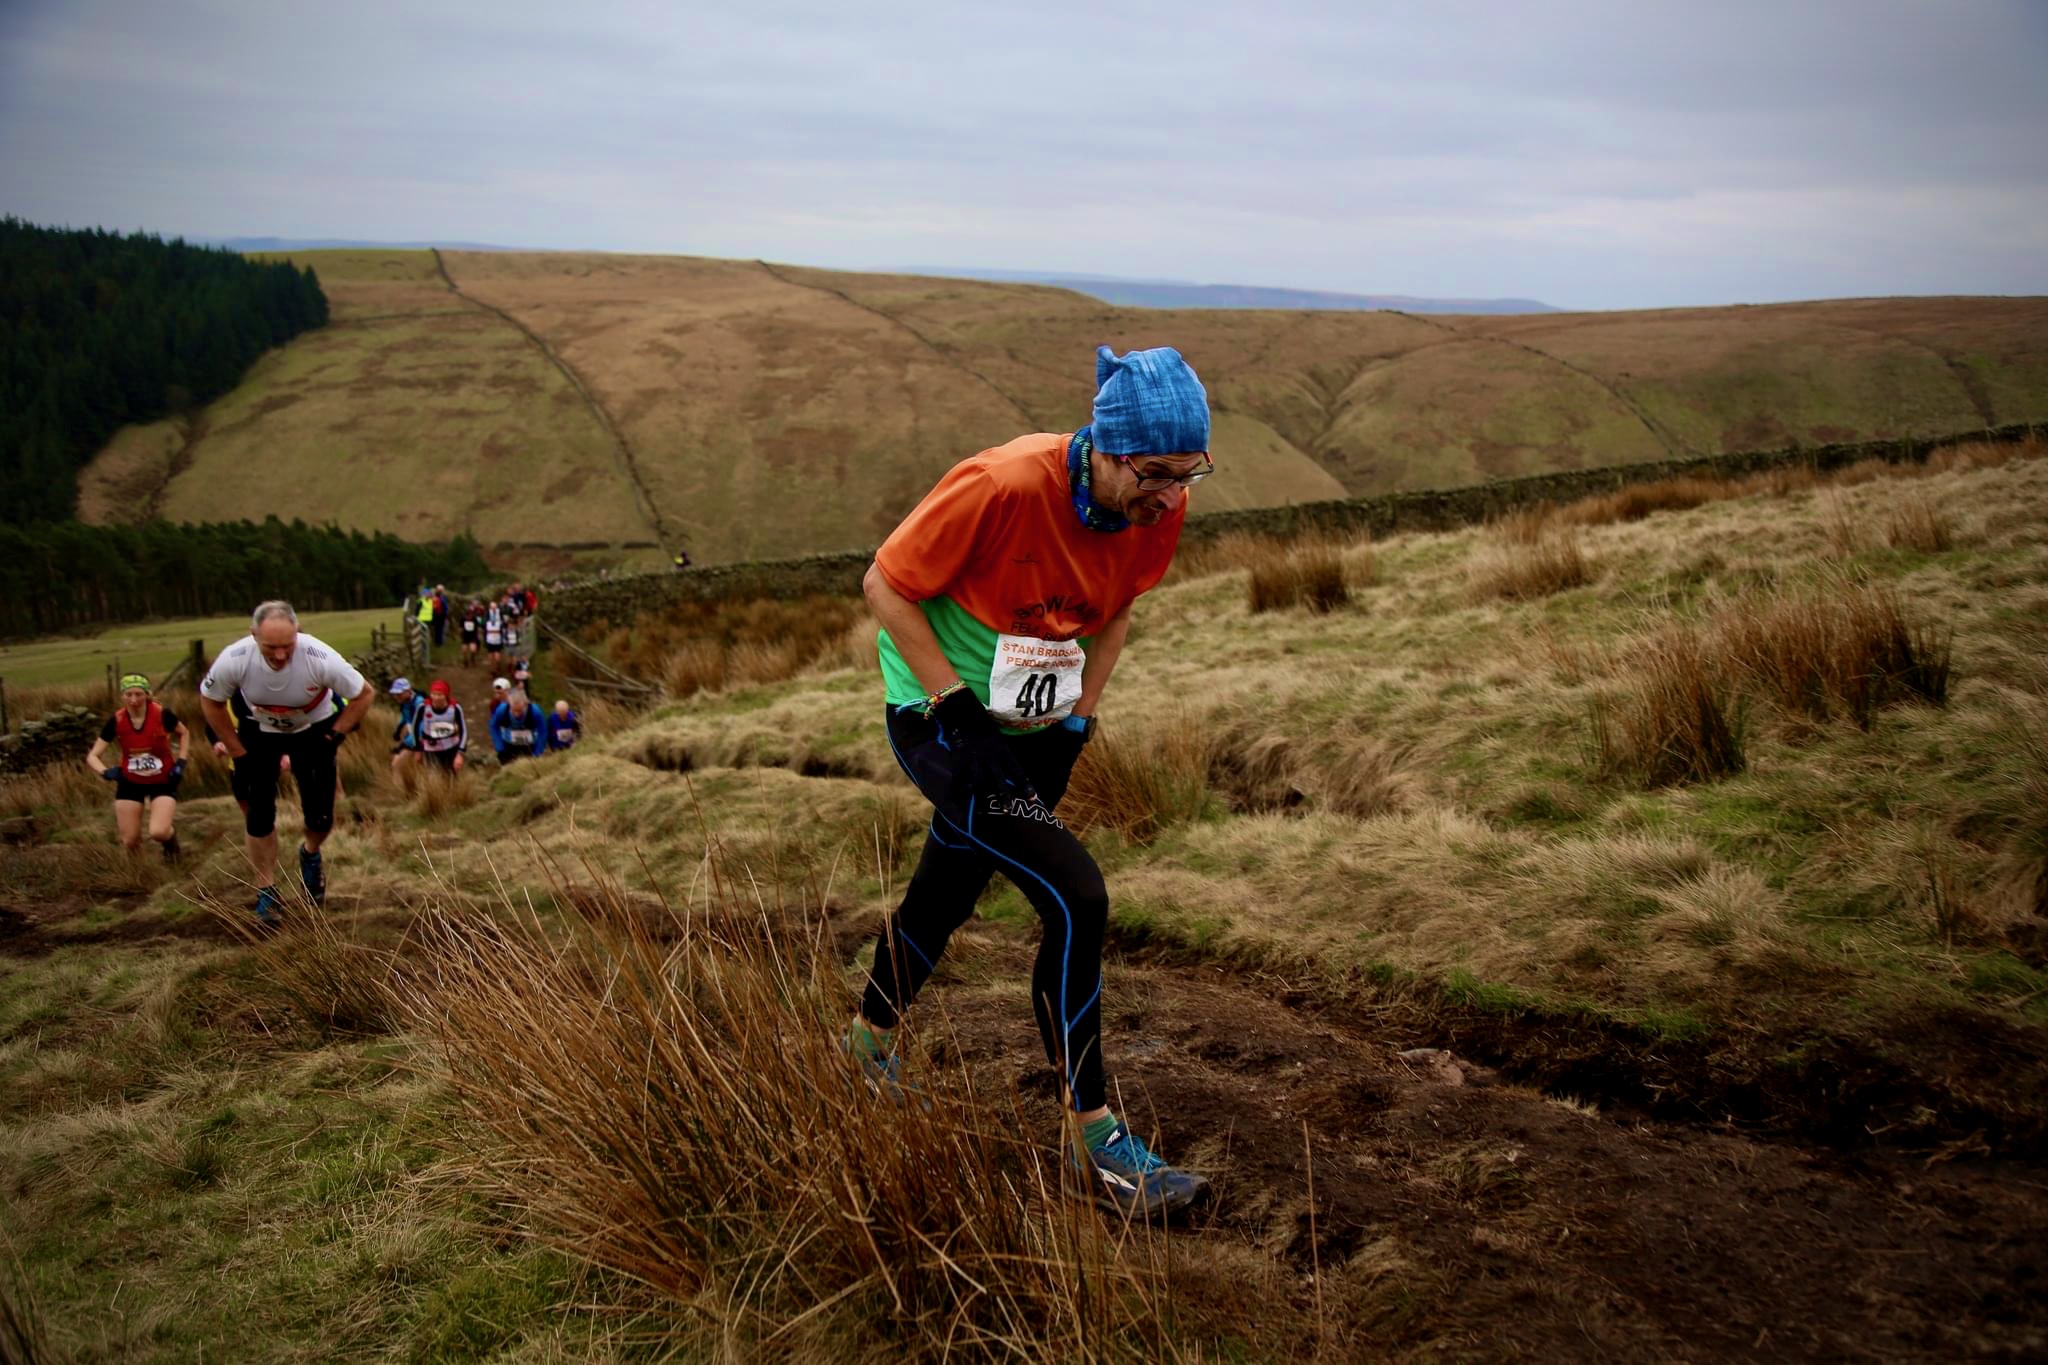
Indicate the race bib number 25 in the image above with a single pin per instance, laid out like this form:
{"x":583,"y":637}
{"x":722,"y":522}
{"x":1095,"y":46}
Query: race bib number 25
{"x":1034,"y":682}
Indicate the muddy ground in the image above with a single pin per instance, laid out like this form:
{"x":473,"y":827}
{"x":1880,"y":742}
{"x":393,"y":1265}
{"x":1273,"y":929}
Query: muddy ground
{"x":1530,"y":1227}
{"x":1512,"y":1223}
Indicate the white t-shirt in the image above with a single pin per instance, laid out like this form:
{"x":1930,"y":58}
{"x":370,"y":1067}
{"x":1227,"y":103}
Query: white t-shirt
{"x":289,"y":699}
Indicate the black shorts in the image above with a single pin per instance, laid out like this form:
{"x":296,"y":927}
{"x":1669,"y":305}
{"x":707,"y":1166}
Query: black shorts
{"x":312,"y":752}
{"x":124,"y":790}
{"x":443,"y":759}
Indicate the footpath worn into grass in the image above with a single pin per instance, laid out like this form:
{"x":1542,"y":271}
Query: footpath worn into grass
{"x":1724,"y":1064}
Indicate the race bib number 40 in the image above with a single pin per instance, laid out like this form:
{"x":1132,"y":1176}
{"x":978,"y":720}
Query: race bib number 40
{"x":1034,"y":682}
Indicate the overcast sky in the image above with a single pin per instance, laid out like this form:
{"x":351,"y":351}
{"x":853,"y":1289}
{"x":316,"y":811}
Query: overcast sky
{"x":1590,"y":155}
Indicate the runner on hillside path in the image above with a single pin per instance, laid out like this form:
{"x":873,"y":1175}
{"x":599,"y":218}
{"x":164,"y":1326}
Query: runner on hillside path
{"x":494,"y":635}
{"x":517,"y":730}
{"x":146,"y":772}
{"x":444,"y":734}
{"x":405,"y":736}
{"x":1005,"y":598}
{"x":295,"y":686}
{"x":469,"y":634}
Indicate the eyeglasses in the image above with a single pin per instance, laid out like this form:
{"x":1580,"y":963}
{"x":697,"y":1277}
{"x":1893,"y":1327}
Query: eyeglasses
{"x":1161,"y":482}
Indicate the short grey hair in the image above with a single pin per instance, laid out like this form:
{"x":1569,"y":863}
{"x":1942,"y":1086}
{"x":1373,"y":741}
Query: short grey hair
{"x":275,"y":609}
{"x":518,"y":695}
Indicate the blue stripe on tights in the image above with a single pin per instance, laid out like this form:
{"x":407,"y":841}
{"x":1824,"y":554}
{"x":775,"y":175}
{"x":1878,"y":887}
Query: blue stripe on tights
{"x":1067,"y":944}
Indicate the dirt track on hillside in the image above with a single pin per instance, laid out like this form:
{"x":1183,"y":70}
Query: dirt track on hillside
{"x":1509,"y":1223}
{"x":1527,"y":1226}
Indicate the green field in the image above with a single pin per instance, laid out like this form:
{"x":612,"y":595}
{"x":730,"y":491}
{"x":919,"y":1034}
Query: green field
{"x":154,"y":647}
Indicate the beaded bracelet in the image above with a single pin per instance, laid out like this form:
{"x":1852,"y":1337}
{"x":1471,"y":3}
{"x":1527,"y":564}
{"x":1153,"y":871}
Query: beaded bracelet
{"x":931,"y":703}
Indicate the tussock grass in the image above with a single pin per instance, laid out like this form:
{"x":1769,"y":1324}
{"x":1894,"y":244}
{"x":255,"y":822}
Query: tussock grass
{"x":1918,"y":523}
{"x":1673,"y":721}
{"x":697,"y":647}
{"x":1840,"y":648}
{"x":437,"y":794}
{"x":665,"y":1095}
{"x":1846,"y":533}
{"x":1636,"y":501}
{"x":24,"y":1334}
{"x":1139,"y":784}
{"x":1309,"y":573}
{"x":1532,"y":554}
{"x":334,"y":982}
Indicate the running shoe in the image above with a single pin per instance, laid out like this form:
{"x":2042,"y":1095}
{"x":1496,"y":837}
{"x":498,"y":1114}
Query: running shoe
{"x":171,"y":850}
{"x":884,"y":1075}
{"x":311,"y":873}
{"x":269,"y":908}
{"x":1130,"y":1178}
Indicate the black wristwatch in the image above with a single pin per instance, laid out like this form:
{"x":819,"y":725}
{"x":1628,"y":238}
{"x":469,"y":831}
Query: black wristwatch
{"x":1084,"y":726}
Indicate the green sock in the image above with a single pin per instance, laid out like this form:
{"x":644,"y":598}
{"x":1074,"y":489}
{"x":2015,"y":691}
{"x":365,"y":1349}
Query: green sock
{"x":869,"y":1041}
{"x":1095,"y":1133}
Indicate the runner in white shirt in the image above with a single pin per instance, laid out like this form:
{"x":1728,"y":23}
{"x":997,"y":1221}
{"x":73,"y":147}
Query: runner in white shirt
{"x":304,"y":699}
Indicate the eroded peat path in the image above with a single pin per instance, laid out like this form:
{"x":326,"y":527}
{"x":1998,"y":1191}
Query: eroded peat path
{"x":1513,"y":1223}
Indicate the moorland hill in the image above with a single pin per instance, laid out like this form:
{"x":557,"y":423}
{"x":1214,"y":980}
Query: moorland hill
{"x":557,"y":404}
{"x":1494,"y":1027}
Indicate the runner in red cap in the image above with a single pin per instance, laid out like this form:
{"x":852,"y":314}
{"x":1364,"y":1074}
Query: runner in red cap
{"x":443,"y":733}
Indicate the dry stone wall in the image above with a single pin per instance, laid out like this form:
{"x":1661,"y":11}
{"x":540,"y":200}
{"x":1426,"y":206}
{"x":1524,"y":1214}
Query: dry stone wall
{"x":573,"y":606}
{"x":65,"y":733}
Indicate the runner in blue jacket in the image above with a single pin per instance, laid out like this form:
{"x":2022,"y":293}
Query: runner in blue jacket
{"x":517,"y":729}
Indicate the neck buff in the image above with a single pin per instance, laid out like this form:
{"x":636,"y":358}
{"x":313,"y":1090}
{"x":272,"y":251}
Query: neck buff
{"x":1080,"y":471}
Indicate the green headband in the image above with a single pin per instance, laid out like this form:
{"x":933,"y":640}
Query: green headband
{"x":129,"y":680}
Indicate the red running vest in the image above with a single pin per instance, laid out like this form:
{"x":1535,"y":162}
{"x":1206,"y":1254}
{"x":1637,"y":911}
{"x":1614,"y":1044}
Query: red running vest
{"x":145,"y":752}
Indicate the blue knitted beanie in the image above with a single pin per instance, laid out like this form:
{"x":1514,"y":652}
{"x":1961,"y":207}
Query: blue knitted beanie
{"x":1148,"y":403}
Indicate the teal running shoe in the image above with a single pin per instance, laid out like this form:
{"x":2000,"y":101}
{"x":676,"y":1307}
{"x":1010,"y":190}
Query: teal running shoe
{"x":884,"y":1075}
{"x":269,"y":908}
{"x":1130,"y":1178}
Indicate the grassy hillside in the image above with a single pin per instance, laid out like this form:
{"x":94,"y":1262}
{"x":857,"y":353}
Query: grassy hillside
{"x":757,"y":410}
{"x":552,"y":1076}
{"x":414,"y":412}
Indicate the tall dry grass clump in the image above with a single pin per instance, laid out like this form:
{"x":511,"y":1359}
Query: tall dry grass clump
{"x":1140,"y":784}
{"x":706,"y":646}
{"x":1841,"y":648}
{"x":664,"y":1093}
{"x":1673,"y":718}
{"x":1309,"y":572}
{"x":1635,"y":501}
{"x":1533,"y":553}
{"x":436,"y":794}
{"x":332,"y":981}
{"x":1918,"y":523}
{"x":1845,"y":532}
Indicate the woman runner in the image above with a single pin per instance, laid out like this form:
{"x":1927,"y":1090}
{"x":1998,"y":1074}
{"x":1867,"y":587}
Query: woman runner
{"x":150,"y":748}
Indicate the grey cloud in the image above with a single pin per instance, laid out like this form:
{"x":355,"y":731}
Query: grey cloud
{"x":1592,"y":154}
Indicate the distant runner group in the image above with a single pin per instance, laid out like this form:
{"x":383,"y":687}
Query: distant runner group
{"x":280,"y":700}
{"x":491,"y":629}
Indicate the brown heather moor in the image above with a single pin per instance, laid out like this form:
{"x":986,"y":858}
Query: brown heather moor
{"x":1574,"y":1064}
{"x":766,"y":410}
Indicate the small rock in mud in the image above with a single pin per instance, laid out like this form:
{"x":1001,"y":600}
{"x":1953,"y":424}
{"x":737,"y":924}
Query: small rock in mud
{"x":1443,"y":1067}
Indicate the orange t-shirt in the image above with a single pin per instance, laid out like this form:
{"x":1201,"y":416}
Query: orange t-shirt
{"x":999,"y":536}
